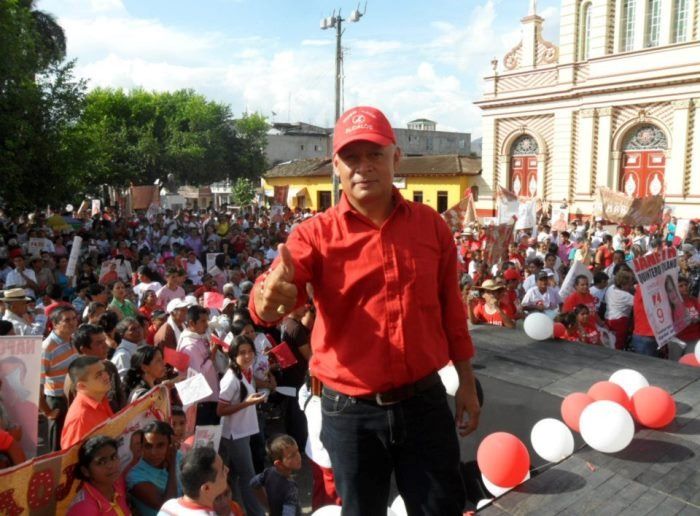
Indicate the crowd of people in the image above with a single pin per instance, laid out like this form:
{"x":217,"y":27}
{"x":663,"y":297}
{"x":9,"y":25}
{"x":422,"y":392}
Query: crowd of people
{"x":139,"y":288}
{"x":605,"y":306}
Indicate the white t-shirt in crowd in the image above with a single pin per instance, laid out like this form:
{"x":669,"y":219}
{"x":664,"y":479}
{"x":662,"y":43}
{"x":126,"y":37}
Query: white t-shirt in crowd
{"x":598,"y":293}
{"x":618,"y":303}
{"x":178,"y":507}
{"x":550,"y":298}
{"x":141,"y":289}
{"x":195,"y":271}
{"x":244,"y":422}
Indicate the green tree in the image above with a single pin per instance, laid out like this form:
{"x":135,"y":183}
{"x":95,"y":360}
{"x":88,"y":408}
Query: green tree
{"x":252,"y":132}
{"x":243,"y":191}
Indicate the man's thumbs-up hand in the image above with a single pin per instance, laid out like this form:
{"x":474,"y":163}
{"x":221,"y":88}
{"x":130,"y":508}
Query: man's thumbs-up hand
{"x":276,"y":295}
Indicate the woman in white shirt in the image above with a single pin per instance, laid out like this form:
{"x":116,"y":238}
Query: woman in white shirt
{"x":619,"y":302}
{"x":239,"y":420}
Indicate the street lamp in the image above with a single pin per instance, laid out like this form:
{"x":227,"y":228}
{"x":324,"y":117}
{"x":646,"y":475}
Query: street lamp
{"x":336,"y":22}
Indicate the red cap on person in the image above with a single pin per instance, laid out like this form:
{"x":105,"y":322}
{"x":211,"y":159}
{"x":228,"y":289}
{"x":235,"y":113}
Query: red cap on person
{"x":511,"y":274}
{"x":362,"y":123}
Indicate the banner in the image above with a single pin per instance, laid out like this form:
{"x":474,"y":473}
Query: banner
{"x":496,"y":242}
{"x":622,"y":209}
{"x":461,"y":214}
{"x":74,"y":255}
{"x":560,"y":218}
{"x":211,"y":260}
{"x":657,"y":274}
{"x":96,"y":207}
{"x":281,"y":194}
{"x":143,"y":196}
{"x":35,"y":246}
{"x":527,"y":215}
{"x":577,"y":269}
{"x":20,"y":370}
{"x":507,"y":204}
{"x":46,"y":485}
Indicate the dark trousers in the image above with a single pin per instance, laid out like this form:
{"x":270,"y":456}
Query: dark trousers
{"x":206,"y":414}
{"x":645,"y":345}
{"x":415,"y":438}
{"x":56,"y":425}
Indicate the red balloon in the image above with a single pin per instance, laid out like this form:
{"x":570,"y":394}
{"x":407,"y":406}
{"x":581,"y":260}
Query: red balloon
{"x":503,"y":459}
{"x":653,"y":407}
{"x":689,"y":360}
{"x":609,"y":391}
{"x":571,"y":408}
{"x":559,"y":330}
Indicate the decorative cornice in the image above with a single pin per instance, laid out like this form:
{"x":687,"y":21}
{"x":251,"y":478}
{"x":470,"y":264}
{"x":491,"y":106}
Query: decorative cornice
{"x":587,"y":113}
{"x":682,"y":104}
{"x":605,"y":111}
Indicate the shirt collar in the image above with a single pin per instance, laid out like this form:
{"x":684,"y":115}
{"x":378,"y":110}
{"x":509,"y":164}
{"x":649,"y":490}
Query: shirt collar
{"x":128,"y":345}
{"x":345,"y":207}
{"x":103,"y":504}
{"x":90,"y":402}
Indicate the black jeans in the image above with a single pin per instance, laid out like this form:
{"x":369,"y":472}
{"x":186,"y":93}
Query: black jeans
{"x":56,"y":425}
{"x":415,"y":438}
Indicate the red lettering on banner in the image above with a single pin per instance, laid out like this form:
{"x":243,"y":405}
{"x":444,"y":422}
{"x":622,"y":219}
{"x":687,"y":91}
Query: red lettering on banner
{"x":8,"y":506}
{"x":40,"y":490}
{"x":64,"y":489}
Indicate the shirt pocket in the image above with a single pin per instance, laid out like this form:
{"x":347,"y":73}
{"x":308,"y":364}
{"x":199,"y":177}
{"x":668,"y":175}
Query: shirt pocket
{"x":425,"y":287}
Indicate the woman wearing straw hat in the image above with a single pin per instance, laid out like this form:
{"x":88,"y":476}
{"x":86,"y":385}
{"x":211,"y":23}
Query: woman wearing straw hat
{"x":490,"y":310}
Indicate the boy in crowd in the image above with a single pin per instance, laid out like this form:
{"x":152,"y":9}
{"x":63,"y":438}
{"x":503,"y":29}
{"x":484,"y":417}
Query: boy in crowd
{"x":274,"y":487}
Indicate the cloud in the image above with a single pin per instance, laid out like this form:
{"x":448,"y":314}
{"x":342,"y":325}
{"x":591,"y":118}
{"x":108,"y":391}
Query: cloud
{"x":317,"y":42}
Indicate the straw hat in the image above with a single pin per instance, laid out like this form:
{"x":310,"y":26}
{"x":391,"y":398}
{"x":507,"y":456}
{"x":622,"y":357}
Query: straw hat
{"x":15,"y":294}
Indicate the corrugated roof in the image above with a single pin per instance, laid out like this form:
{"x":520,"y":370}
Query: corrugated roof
{"x":447,"y":164}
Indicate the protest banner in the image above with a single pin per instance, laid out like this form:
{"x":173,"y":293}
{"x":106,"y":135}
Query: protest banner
{"x":152,"y":212}
{"x":74,"y":255}
{"x":34,"y":246}
{"x":211,"y":260}
{"x":622,"y":209}
{"x":143,"y":196}
{"x":46,"y":485}
{"x":461,"y":214}
{"x":496,"y":242}
{"x":20,"y":371}
{"x":527,"y":215}
{"x":657,"y":274}
{"x":577,"y":269}
{"x":507,"y":205}
{"x":560,"y":218}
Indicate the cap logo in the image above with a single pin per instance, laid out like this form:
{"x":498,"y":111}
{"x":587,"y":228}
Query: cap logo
{"x":358,"y":119}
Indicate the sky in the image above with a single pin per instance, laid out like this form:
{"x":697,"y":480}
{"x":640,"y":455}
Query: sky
{"x":412,"y":59}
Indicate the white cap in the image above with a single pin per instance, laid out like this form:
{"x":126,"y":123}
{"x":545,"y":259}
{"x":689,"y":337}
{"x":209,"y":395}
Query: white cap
{"x":174,"y":304}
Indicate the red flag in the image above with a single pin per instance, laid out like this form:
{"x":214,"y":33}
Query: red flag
{"x":213,"y":300}
{"x":219,"y":342}
{"x":177,"y":359}
{"x":283,"y":353}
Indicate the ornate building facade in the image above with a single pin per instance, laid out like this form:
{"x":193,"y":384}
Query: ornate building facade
{"x":617,"y":104}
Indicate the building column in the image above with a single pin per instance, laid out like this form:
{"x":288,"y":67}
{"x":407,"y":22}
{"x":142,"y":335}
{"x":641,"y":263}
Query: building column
{"x":541,"y":171}
{"x":617,"y":33}
{"x":640,"y":23}
{"x":616,"y":158}
{"x":584,"y":167}
{"x":503,"y":164}
{"x":603,"y":172}
{"x":560,"y":175}
{"x":488,"y":152}
{"x":675,"y":171}
{"x":694,"y":188}
{"x":666,"y":16}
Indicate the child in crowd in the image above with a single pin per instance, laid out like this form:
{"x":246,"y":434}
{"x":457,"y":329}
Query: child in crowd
{"x":274,"y":487}
{"x":179,"y":423}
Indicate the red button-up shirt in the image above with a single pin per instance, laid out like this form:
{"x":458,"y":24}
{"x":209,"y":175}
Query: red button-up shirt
{"x":389,"y":310}
{"x":83,"y":416}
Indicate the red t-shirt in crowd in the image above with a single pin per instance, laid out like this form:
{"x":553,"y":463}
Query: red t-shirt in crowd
{"x":495,"y":318}
{"x":641,"y":321}
{"x":84,"y":414}
{"x":389,"y":309}
{"x":606,"y":256}
{"x":588,"y":334}
{"x":575,"y":299}
{"x":6,"y":440}
{"x":691,"y":333}
{"x":508,"y":302}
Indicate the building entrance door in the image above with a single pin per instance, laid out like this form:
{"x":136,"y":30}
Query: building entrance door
{"x":643,"y":162}
{"x":523,"y":167}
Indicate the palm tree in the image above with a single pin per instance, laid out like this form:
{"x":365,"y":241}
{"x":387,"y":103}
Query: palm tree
{"x":51,"y":40}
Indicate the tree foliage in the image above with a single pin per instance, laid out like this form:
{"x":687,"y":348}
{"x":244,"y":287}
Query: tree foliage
{"x":243,"y":191}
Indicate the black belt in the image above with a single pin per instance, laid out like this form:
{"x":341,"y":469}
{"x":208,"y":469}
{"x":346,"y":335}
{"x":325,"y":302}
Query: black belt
{"x":396,"y":395}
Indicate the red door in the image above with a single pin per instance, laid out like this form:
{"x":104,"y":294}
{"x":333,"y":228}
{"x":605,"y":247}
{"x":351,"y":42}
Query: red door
{"x":523,"y":175}
{"x":642,"y":173}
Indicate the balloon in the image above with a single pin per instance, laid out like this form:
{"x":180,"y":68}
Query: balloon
{"x":450,"y":380}
{"x":697,"y":351}
{"x":653,"y":407}
{"x":611,"y":392}
{"x":483,"y":503}
{"x":559,"y":330}
{"x":552,"y":440}
{"x":328,"y":510}
{"x":606,"y":426}
{"x":571,"y":408}
{"x":399,"y":507}
{"x":630,"y":380}
{"x":498,"y":490}
{"x":538,"y":326}
{"x":389,"y":512}
{"x":503,"y":459}
{"x":689,"y":360}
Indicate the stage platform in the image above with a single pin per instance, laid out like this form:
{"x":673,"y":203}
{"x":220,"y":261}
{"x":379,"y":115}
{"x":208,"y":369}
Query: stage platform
{"x":524,"y":381}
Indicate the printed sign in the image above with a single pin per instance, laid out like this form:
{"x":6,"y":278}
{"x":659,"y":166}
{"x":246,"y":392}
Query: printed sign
{"x":74,"y":255}
{"x":620,"y":208}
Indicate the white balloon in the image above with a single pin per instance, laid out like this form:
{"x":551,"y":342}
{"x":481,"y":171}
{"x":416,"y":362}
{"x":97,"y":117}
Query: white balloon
{"x":606,"y":426}
{"x":450,"y":379}
{"x":630,"y":380}
{"x":328,"y":510}
{"x":498,"y":490}
{"x":483,"y":503}
{"x":552,"y":440}
{"x":538,"y":326}
{"x":697,"y":350}
{"x":389,"y":512}
{"x":399,"y":507}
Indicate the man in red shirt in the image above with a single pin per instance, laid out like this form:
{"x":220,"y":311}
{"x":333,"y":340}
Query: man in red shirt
{"x":90,"y":407}
{"x":389,"y":316}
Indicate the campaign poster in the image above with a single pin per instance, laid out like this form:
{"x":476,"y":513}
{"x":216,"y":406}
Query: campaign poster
{"x":496,"y":242}
{"x":657,"y":274}
{"x":211,"y":260}
{"x":96,"y":207}
{"x":527,"y":215}
{"x":560,"y":218}
{"x":20,"y":371}
{"x":47,"y":484}
{"x":207,"y":436}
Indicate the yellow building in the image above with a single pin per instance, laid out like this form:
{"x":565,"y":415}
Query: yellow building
{"x":438,"y":181}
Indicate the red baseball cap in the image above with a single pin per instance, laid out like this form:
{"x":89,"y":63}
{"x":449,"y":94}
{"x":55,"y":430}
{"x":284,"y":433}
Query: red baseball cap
{"x":362,"y":123}
{"x":511,"y":274}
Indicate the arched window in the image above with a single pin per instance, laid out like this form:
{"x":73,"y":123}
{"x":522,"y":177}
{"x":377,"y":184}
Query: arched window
{"x":653,"y":23}
{"x":585,"y":31}
{"x":627,"y":25}
{"x":680,"y":20}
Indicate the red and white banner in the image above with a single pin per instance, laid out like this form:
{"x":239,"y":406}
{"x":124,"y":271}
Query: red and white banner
{"x":496,"y":242}
{"x":461,"y":214}
{"x":657,"y":275}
